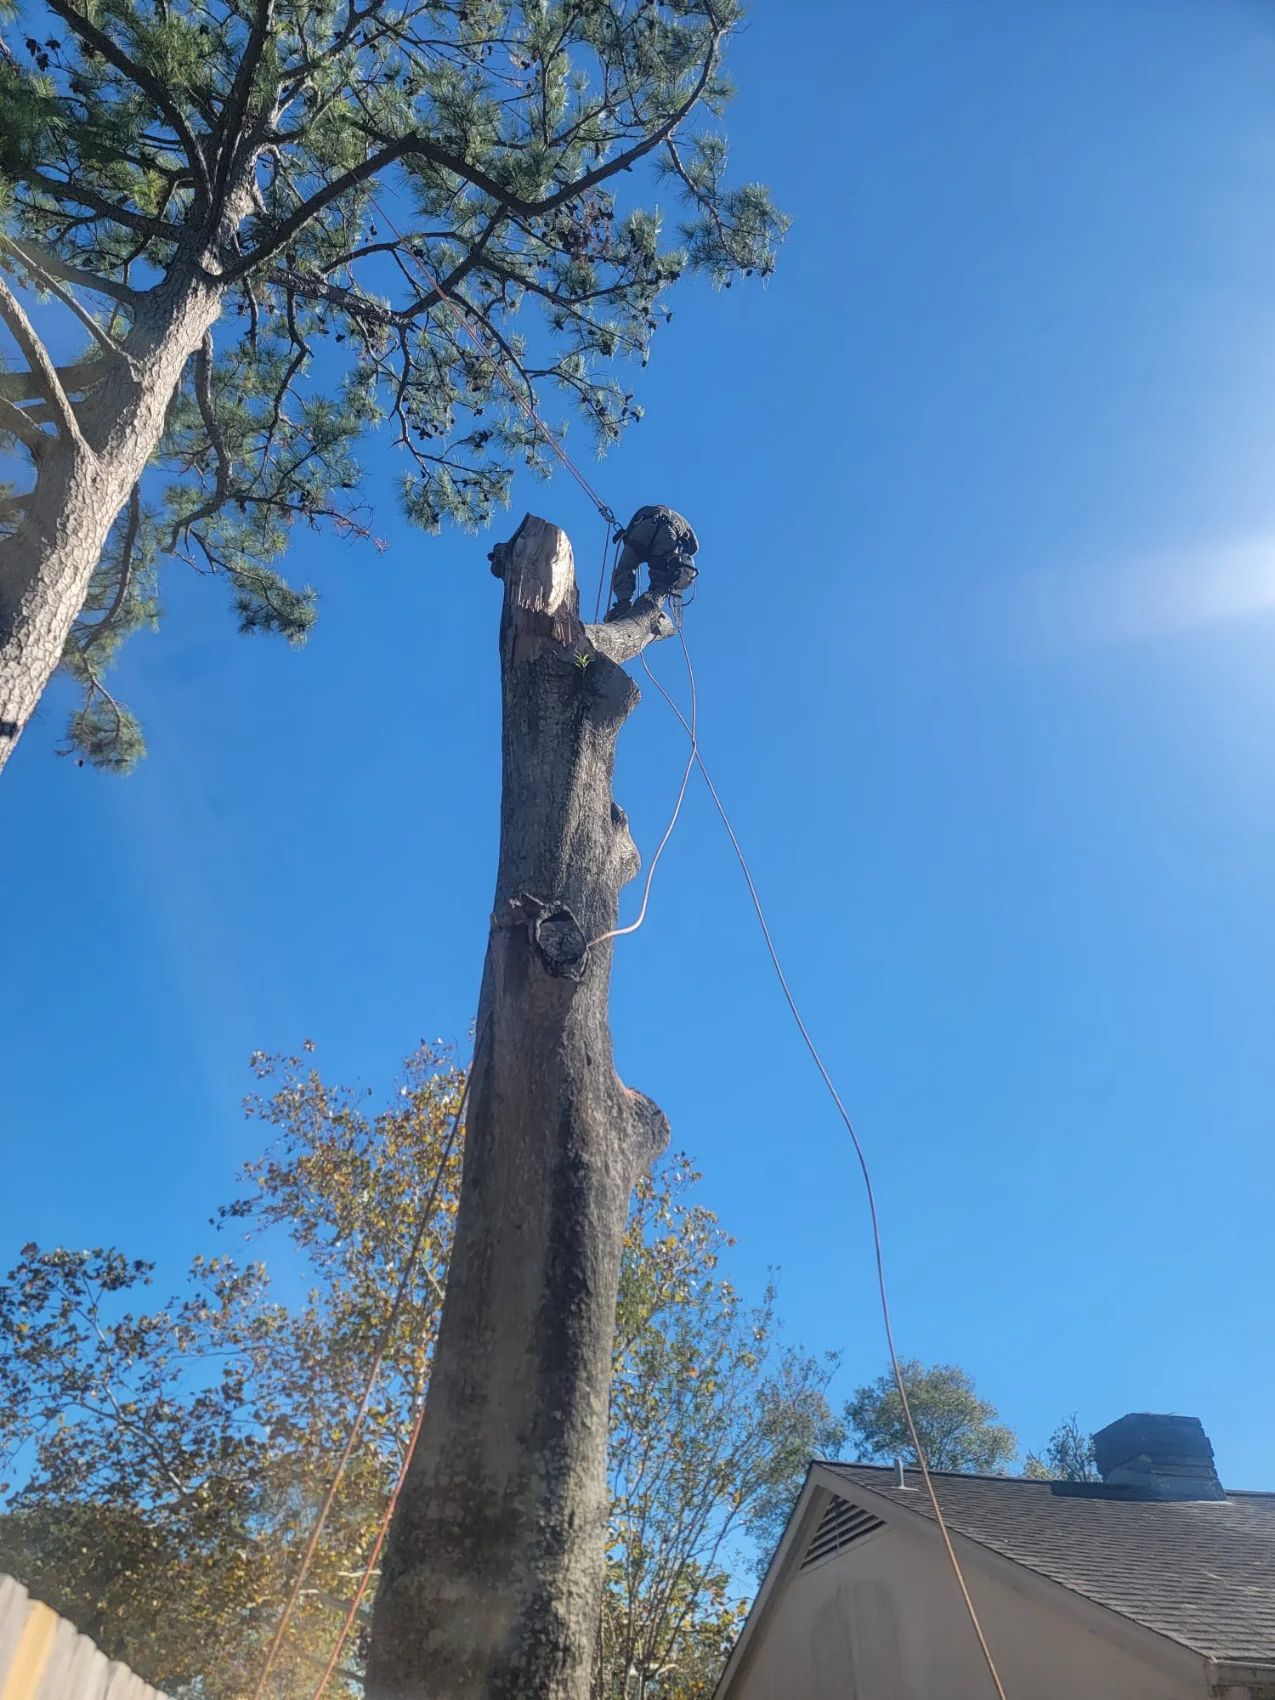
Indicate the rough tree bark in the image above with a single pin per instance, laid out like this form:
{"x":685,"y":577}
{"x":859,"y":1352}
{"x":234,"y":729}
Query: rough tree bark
{"x":86,"y":468}
{"x":491,"y":1581}
{"x":84,"y":476}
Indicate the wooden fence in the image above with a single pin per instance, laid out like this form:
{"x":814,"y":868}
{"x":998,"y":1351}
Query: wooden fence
{"x":43,"y":1657}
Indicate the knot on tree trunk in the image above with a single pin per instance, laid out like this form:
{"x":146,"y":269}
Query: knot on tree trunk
{"x":650,"y":1123}
{"x":556,"y":936}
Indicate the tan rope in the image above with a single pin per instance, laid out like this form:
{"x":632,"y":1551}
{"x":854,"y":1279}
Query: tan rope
{"x":863,"y":1166}
{"x":620,"y":932}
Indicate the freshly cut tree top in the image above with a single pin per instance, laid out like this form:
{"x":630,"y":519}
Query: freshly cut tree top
{"x":370,"y":192}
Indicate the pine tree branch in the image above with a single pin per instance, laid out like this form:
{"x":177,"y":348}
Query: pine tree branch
{"x":71,"y":190}
{"x":533,"y":286}
{"x":300,"y":356}
{"x":221,"y":454}
{"x":413,"y":147}
{"x":126,"y":570}
{"x":350,"y":301}
{"x":231,"y":122}
{"x":420,"y":147}
{"x":622,"y":640}
{"x":302,"y":70}
{"x":366,"y":307}
{"x":143,"y":79}
{"x":625,"y":161}
{"x":34,"y":254}
{"x":330,"y":266}
{"x":100,"y":335}
{"x":22,"y":386}
{"x":17,"y":424}
{"x":459,"y":272}
{"x":705,"y":203}
{"x":44,"y":372}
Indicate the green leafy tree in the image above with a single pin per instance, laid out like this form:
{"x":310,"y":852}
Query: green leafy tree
{"x":1069,"y":1456}
{"x":169,"y":1461}
{"x":260,"y":229}
{"x":956,"y":1428}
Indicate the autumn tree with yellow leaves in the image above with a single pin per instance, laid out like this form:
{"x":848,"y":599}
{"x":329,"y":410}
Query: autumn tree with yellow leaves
{"x":167,"y":1463}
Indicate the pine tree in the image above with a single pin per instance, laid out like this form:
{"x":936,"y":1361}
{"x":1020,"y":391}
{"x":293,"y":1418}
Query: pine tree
{"x":276,"y":225}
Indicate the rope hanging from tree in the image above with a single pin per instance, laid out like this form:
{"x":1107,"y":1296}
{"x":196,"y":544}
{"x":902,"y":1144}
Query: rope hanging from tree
{"x":694,"y":759}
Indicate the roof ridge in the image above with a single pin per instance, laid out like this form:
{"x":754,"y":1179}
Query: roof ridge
{"x":1019,"y":1481}
{"x":953,"y":1475}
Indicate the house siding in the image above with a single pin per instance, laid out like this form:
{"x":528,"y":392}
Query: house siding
{"x":884,"y":1620}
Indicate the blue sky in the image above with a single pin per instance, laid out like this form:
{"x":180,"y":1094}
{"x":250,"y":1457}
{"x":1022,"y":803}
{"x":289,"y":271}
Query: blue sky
{"x":985,"y":633}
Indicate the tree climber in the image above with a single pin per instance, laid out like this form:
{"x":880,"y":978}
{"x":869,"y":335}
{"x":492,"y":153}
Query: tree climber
{"x":662,"y":541}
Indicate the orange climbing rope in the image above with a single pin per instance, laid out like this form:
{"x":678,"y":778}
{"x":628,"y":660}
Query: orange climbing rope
{"x":369,"y":1570}
{"x":400,"y":1296}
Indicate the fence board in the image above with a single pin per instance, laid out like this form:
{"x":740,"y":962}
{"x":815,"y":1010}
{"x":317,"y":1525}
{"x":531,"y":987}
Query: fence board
{"x":43,"y":1657}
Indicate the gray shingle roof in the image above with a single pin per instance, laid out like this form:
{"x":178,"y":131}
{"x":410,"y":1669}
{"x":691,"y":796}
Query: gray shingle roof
{"x":1201,"y":1572}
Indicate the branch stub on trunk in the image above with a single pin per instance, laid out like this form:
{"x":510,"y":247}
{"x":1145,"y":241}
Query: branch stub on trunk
{"x":556,"y":936}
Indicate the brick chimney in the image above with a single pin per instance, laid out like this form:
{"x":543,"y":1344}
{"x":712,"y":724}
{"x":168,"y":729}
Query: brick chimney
{"x":1157,"y":1457}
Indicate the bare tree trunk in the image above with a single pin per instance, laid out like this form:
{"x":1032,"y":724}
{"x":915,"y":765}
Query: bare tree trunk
{"x":492,"y":1578}
{"x":82,"y":482}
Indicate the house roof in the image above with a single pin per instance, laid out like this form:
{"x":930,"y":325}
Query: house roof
{"x":1199,"y":1571}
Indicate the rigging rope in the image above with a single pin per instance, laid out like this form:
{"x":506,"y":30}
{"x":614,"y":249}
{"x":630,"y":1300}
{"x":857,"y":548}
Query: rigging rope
{"x":620,"y":932}
{"x":369,"y":1569}
{"x":791,"y":1001}
{"x":400,"y":1296}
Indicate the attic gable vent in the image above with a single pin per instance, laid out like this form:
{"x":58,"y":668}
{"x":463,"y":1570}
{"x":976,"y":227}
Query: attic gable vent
{"x":841,"y":1525}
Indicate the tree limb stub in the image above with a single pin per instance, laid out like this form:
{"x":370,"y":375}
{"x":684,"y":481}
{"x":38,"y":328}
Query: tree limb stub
{"x":493,"y":1569}
{"x":23,"y":386}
